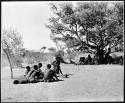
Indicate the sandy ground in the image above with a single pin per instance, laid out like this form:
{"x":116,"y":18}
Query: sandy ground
{"x":85,"y":83}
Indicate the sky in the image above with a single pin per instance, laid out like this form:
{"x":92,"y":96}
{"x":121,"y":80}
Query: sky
{"x":29,"y":18}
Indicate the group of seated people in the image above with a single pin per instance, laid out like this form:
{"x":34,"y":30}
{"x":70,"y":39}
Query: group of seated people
{"x":35,"y":74}
{"x":107,"y":59}
{"x":88,"y":60}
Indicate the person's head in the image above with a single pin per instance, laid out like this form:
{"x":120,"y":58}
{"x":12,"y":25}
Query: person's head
{"x":57,"y":58}
{"x":48,"y":66}
{"x":89,"y":56}
{"x":40,"y":65}
{"x":35,"y":67}
{"x":16,"y":82}
{"x":28,"y":68}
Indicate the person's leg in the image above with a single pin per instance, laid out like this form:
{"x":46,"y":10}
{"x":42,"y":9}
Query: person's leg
{"x":41,"y":80}
{"x":52,"y":80}
{"x":24,"y":81}
{"x":21,"y":81}
{"x":46,"y":80}
{"x":32,"y":80}
{"x":49,"y":80}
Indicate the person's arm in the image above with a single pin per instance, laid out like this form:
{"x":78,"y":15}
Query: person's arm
{"x":30,"y":73}
{"x":41,"y":72}
{"x":33,"y":74}
{"x":26,"y":73}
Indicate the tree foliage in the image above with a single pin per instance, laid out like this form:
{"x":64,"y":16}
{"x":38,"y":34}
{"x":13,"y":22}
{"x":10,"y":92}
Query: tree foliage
{"x":88,"y":26}
{"x":11,"y":44}
{"x":11,"y":40}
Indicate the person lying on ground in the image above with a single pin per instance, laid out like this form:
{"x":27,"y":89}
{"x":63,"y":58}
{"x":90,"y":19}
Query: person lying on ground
{"x":31,"y":77}
{"x":49,"y":74}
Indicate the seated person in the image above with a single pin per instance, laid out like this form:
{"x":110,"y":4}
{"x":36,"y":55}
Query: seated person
{"x":89,"y":59}
{"x":36,"y":75}
{"x":40,"y":73}
{"x":82,"y":60}
{"x":27,"y":70}
{"x":49,"y":74}
{"x":40,"y":65}
{"x":56,"y":67}
{"x":31,"y":77}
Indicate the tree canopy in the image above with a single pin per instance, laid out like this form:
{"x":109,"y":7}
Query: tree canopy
{"x":88,"y":26}
{"x":11,"y":40}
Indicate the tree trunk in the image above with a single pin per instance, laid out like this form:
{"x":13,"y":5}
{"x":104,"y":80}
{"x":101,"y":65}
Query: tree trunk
{"x":100,"y":56}
{"x":9,"y":63}
{"x":101,"y":59}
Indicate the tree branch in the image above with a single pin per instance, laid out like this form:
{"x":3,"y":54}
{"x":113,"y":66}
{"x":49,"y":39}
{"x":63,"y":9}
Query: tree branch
{"x":77,"y":33}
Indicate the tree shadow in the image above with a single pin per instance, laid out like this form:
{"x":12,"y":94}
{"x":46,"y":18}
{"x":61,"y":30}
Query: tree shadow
{"x":24,"y":81}
{"x":27,"y":82}
{"x":65,"y":75}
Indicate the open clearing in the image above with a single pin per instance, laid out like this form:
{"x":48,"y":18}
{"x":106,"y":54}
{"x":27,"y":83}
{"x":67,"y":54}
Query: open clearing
{"x":85,"y":83}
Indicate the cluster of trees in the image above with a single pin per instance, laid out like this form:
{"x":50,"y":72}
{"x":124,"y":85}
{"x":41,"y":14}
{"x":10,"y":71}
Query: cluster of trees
{"x":51,"y":49}
{"x":90,"y":26}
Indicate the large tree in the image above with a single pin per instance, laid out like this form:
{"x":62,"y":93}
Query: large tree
{"x":11,"y":44}
{"x":90,"y":26}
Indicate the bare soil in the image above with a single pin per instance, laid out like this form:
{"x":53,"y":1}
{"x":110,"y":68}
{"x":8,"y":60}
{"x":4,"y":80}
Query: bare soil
{"x":85,"y":83}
